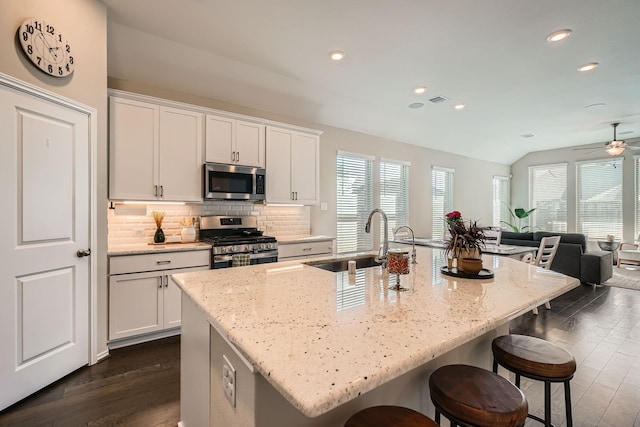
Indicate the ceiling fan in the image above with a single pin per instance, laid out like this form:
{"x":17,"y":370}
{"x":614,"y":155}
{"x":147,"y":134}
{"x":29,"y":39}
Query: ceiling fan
{"x":614,"y":147}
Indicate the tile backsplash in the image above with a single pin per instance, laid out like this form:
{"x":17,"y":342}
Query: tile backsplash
{"x":134,"y":224}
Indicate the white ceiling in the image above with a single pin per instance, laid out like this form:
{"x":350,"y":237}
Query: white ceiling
{"x":491,"y":55}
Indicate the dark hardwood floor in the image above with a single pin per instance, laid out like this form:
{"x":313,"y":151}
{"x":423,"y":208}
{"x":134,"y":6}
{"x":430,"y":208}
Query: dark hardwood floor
{"x":139,"y":385}
{"x":136,"y":386}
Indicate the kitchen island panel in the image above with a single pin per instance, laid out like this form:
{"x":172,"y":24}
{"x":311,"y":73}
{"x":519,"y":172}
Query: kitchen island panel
{"x":301,"y":327}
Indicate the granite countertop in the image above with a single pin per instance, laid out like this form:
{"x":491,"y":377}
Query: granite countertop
{"x":323,"y":338}
{"x":146,"y":248}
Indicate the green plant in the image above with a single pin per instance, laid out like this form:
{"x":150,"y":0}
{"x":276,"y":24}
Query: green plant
{"x":518,"y":214}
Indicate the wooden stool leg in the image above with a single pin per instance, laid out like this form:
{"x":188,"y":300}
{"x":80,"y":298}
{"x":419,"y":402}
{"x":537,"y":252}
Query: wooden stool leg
{"x":567,"y":403}
{"x":437,"y":416}
{"x":517,"y":380}
{"x":547,"y":404}
{"x":495,"y":366}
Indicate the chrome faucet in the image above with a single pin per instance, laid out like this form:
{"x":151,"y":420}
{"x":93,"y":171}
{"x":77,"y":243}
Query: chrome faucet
{"x":413,"y":241}
{"x":385,"y":246}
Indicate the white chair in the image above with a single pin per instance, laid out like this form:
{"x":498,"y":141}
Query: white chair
{"x":492,"y":237}
{"x":628,"y":252}
{"x":544,"y":257}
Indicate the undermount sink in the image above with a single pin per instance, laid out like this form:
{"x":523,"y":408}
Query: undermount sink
{"x":343,"y":264}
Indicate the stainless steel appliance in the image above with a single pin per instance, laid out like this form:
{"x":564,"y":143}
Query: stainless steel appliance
{"x":229,"y":182}
{"x":237,"y":237}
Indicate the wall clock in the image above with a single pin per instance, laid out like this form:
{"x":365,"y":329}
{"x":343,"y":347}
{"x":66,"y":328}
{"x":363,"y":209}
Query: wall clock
{"x":46,"y":47}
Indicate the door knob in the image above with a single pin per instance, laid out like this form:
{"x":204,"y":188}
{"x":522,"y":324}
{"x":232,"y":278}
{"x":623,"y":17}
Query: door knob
{"x":83,"y":252}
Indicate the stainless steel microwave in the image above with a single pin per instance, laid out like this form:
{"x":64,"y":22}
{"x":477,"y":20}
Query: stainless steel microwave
{"x":229,"y":182}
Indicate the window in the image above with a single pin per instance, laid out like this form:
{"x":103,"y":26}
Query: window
{"x":442,"y":199}
{"x":548,"y":194}
{"x":636,"y":162}
{"x":354,"y":201}
{"x":600,"y":198}
{"x":394,"y":194}
{"x":500,"y":200}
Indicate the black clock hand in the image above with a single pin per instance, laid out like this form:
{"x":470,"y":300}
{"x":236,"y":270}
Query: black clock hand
{"x":44,"y":38}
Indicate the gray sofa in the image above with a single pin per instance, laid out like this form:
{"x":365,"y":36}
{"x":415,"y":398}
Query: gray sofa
{"x":572,"y":258}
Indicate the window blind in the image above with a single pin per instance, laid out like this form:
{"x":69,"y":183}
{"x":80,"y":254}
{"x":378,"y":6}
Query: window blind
{"x":394,"y":194}
{"x":548,"y":194}
{"x":599,"y":196}
{"x":636,"y":163}
{"x":354,"y":201}
{"x":500,"y":200}
{"x":442,"y":199}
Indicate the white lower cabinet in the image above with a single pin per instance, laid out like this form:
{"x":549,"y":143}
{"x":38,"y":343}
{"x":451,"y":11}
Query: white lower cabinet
{"x":142,"y":301}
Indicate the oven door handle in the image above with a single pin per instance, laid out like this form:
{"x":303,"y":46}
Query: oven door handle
{"x":268,"y":254}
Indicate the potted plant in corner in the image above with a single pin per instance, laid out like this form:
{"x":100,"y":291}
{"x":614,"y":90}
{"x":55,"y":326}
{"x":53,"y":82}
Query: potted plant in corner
{"x":518,"y":214}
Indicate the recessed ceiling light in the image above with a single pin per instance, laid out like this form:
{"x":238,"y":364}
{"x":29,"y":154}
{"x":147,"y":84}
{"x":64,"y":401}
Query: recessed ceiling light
{"x":528,"y":135}
{"x":416,"y":105}
{"x":420,"y":90}
{"x":459,"y":106}
{"x":558,"y":36}
{"x":587,"y":67}
{"x":337,"y":55}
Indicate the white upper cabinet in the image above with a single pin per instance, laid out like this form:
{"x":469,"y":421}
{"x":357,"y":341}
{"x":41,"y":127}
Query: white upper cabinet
{"x":235,"y":142}
{"x":292,"y":166}
{"x":156,"y":152}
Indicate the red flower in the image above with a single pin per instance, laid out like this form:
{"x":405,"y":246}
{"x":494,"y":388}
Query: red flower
{"x":453,"y":216}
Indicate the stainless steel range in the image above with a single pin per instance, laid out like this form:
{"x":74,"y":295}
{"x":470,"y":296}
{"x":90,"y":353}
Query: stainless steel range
{"x":237,"y":240}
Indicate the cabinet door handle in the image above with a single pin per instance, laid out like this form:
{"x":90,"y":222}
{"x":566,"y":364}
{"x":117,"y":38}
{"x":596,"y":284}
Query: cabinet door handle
{"x":306,"y":249}
{"x":166,"y":281}
{"x":155,"y":191}
{"x":163,"y":262}
{"x":162,"y":191}
{"x":237,"y":156}
{"x":161,"y":281}
{"x":233,"y":156}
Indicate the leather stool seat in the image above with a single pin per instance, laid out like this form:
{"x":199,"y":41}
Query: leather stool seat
{"x":389,"y":416}
{"x":537,"y":359}
{"x":471,"y":396}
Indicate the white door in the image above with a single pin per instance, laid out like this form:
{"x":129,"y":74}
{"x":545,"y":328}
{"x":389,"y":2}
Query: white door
{"x":44,"y":285}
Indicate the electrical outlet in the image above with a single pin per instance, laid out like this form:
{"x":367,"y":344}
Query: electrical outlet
{"x":229,"y":380}
{"x":138,"y":231}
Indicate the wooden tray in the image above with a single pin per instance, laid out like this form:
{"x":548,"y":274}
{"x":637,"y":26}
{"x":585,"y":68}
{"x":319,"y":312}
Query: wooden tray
{"x":482,"y":274}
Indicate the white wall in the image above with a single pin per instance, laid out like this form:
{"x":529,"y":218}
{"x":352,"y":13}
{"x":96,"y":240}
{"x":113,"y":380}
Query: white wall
{"x":84,"y":22}
{"x":520,"y":181}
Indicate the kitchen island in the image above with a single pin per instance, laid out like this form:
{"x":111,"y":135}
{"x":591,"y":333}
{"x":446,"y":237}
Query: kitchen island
{"x":310,"y":347}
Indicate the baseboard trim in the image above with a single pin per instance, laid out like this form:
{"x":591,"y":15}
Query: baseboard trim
{"x":139,"y":339}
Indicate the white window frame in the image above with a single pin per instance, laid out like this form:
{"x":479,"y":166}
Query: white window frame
{"x":532,"y":220}
{"x":398,"y":214}
{"x":604,"y":200}
{"x":440,"y":207}
{"x":500,"y":184}
{"x":352,"y":224}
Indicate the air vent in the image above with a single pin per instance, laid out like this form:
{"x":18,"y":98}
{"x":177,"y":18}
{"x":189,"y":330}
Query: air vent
{"x":438,"y":99}
{"x":416,"y":105}
{"x":528,"y":135}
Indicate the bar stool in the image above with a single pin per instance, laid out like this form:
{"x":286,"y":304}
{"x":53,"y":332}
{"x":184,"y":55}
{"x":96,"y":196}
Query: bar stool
{"x":471,"y":396}
{"x":539,"y":360}
{"x":389,"y":416}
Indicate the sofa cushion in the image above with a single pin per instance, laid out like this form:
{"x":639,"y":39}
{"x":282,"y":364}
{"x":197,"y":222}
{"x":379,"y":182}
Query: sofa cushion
{"x":576,"y":238}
